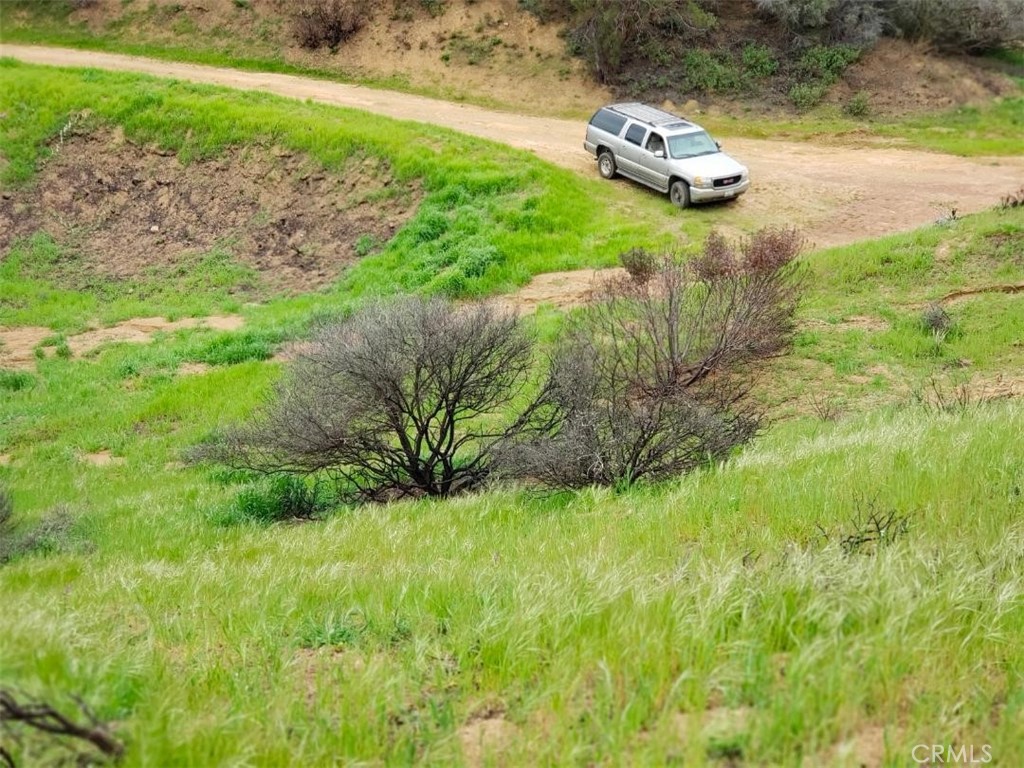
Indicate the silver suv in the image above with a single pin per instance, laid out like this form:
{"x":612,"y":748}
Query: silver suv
{"x":664,"y":151}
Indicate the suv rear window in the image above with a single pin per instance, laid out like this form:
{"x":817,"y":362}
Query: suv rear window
{"x":608,"y":121}
{"x":636,"y":134}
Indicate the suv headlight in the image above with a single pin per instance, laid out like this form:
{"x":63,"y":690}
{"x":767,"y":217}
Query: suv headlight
{"x":702,"y":182}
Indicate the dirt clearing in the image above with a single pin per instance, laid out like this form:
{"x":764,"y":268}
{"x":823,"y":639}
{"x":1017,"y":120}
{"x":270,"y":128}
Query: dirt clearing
{"x":125,"y":211}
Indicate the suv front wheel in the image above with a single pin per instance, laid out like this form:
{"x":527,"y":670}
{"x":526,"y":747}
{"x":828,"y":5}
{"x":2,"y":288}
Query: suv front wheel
{"x":679,"y":193}
{"x":606,"y":164}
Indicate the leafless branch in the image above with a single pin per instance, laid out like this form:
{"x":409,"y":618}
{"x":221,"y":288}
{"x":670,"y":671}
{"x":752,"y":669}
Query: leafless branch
{"x":43,"y":717}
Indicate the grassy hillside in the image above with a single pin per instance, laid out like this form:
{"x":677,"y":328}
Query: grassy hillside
{"x":490,"y":217}
{"x":729,"y":618}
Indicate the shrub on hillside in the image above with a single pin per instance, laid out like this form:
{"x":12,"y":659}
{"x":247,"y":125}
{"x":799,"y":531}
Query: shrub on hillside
{"x":50,"y":534}
{"x":962,"y":26}
{"x":654,"y":380}
{"x":859,"y":22}
{"x":328,"y":23}
{"x":608,"y":33}
{"x":406,"y":398}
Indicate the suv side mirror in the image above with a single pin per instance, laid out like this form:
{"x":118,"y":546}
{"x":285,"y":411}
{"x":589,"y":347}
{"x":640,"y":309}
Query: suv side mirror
{"x":660,"y":153}
{"x":718,"y":144}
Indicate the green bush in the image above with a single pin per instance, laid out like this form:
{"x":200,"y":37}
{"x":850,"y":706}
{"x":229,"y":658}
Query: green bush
{"x":827,"y":62}
{"x":807,"y":95}
{"x":283,"y":497}
{"x":709,"y":72}
{"x":234,"y":348}
{"x":759,"y":61}
{"x":16,"y":381}
{"x":858,"y":105}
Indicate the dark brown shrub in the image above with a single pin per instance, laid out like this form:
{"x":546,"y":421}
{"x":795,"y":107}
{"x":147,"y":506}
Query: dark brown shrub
{"x":654,"y":379}
{"x":641,"y":264}
{"x":328,"y":23}
{"x":407,"y":398}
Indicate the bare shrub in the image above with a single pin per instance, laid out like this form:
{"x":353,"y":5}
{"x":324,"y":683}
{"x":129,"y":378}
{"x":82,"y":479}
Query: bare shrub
{"x":936,"y":320}
{"x":940,"y":398}
{"x":406,"y":398}
{"x":871,"y":528}
{"x":609,"y":32}
{"x":640,"y":263}
{"x":654,"y":379}
{"x":825,"y":408}
{"x":51,"y":534}
{"x":319,"y":23}
{"x":42,"y":717}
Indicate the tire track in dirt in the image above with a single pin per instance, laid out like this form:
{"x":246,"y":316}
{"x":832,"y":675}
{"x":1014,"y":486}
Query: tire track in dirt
{"x":836,"y":195}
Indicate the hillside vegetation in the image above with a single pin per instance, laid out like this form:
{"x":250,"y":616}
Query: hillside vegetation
{"x":845,"y":588}
{"x":565,"y":58}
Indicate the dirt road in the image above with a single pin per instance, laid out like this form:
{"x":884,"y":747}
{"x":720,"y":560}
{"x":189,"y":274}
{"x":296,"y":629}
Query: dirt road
{"x":835,"y":194}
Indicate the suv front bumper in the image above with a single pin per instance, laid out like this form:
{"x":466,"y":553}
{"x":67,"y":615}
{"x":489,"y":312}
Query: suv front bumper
{"x":699,"y":195}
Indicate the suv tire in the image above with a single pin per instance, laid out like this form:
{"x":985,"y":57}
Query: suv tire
{"x":606,"y":164}
{"x":679,"y":193}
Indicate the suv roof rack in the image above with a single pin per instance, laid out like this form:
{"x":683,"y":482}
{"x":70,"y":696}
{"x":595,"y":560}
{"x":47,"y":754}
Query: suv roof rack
{"x":645,"y":113}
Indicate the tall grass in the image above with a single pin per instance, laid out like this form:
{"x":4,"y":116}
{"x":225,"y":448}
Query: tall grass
{"x":706,"y":621}
{"x":603,"y":628}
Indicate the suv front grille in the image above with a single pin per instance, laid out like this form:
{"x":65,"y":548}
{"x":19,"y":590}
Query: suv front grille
{"x":727,"y":182}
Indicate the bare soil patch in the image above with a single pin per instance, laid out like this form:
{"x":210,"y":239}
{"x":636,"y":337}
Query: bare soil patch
{"x":903,"y":78}
{"x":863,"y":749}
{"x":486,"y":738}
{"x":967,"y":293}
{"x":562,"y":290}
{"x":865,"y":323}
{"x":18,"y":345}
{"x":193,"y":369}
{"x":104,"y":458}
{"x":718,"y":721}
{"x":127,"y":211}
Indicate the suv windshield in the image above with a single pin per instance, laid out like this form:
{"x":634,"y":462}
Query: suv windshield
{"x":691,"y":145}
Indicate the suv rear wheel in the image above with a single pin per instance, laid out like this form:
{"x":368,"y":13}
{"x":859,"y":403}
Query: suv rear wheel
{"x":606,"y":164}
{"x":679,"y":193}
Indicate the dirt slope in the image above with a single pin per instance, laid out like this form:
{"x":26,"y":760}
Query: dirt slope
{"x":835,"y":194}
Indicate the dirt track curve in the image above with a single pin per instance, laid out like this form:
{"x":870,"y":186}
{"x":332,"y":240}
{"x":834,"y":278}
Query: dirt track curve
{"x":835,"y":194}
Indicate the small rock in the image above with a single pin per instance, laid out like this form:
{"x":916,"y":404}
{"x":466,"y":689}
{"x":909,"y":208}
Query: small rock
{"x":154,"y":229}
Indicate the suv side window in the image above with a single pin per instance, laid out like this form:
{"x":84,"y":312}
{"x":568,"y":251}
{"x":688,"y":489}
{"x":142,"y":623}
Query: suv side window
{"x":608,"y":121}
{"x":655,"y":143}
{"x":635,"y":134}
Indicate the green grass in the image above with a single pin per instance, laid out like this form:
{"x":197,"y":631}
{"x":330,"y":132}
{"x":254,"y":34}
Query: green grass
{"x":993,"y":129}
{"x":490,"y":218}
{"x":703,"y":622}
